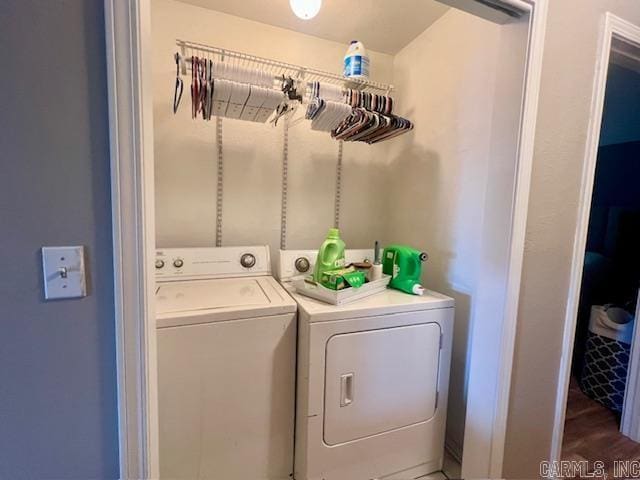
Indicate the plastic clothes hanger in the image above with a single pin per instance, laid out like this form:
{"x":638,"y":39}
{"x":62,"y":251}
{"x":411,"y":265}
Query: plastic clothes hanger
{"x":195,"y":94}
{"x":202,"y":86}
{"x":179,"y":87}
{"x":288,"y":87}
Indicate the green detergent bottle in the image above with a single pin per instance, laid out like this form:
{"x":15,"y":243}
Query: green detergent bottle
{"x":330,"y":255}
{"x":404,"y":264}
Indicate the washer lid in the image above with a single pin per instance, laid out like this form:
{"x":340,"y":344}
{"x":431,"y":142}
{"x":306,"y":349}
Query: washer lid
{"x":182,"y":303}
{"x":208,"y":294}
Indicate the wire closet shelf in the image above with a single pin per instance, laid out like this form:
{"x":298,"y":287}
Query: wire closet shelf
{"x":278,"y":69}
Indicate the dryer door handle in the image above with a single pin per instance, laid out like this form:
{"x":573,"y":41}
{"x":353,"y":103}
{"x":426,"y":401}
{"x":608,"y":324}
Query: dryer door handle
{"x":346,"y":389}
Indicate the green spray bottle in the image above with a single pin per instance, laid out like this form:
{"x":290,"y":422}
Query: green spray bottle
{"x":404,"y":264}
{"x":330,"y":255}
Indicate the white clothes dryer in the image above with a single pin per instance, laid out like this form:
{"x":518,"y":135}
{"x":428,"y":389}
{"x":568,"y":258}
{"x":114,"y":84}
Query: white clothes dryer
{"x":226,"y":339}
{"x":372,"y":383}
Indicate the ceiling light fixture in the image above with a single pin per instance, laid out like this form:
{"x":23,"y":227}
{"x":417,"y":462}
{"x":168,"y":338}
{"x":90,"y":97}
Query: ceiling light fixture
{"x":305,"y":9}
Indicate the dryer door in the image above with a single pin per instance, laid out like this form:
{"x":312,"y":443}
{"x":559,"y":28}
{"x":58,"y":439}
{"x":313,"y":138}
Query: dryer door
{"x":380,"y":380}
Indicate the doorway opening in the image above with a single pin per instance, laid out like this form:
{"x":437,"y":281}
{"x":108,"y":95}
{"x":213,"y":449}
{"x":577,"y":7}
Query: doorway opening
{"x":595,"y":423}
{"x":611,"y":272}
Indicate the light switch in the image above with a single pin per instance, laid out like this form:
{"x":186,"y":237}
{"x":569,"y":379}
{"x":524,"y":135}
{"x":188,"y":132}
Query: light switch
{"x":63,"y":269}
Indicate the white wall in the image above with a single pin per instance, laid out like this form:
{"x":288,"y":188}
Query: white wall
{"x":185,"y":155}
{"x":445,"y":84}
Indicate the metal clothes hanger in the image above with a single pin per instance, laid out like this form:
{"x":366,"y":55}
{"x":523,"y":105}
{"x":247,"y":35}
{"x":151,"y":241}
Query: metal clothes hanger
{"x":285,"y":109}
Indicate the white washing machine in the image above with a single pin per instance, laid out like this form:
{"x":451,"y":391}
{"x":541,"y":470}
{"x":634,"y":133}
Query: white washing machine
{"x":226,"y":336}
{"x":372,"y":383}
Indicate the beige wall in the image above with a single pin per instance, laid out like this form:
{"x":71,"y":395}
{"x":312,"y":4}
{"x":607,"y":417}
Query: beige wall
{"x":438,"y":172}
{"x":185,"y":155}
{"x":565,"y":98}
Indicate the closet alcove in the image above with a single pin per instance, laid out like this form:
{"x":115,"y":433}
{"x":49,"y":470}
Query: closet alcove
{"x":445,"y":187}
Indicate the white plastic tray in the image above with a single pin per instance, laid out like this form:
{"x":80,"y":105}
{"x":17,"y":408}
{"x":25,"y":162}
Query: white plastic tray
{"x":340,"y":297}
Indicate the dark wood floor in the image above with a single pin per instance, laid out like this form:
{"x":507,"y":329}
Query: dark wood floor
{"x":591,"y":433}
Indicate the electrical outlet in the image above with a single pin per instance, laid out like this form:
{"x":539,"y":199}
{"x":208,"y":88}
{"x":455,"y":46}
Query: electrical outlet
{"x":64,"y":275}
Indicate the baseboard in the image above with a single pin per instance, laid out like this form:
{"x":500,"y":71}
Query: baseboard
{"x":454,"y":449}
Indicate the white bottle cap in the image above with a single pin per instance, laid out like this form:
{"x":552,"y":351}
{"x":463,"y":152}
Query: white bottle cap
{"x":418,"y":290}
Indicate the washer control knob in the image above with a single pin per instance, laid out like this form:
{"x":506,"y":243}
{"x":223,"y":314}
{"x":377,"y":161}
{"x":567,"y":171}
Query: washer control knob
{"x":248,"y":260}
{"x":159,"y":263}
{"x":302,"y":264}
{"x":178,"y":263}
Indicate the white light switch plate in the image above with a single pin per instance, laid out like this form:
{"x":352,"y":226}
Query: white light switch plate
{"x":63,"y":269}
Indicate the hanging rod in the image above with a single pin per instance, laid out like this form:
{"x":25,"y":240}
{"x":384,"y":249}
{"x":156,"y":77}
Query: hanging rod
{"x":299,"y":73}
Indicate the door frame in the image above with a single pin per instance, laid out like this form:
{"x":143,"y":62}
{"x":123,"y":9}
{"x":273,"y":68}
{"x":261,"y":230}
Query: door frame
{"x":127,"y":34}
{"x":128,"y":39}
{"x":613,"y":27}
{"x":630,"y":422}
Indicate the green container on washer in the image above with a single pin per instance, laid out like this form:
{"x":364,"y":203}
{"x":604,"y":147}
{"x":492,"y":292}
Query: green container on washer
{"x":404,"y":264}
{"x":330,"y":255}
